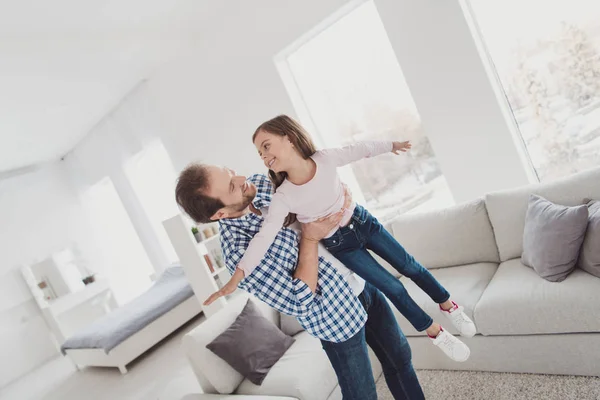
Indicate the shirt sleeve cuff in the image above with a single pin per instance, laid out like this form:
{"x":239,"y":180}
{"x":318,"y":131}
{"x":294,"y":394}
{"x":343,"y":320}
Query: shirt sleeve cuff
{"x":302,"y":292}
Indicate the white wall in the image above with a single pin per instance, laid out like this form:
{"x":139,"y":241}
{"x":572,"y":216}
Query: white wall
{"x":39,"y":214}
{"x":212,"y":98}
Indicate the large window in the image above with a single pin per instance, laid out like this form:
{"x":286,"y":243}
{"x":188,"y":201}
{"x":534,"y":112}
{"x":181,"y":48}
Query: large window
{"x":123,"y":258}
{"x":152,"y":176}
{"x":547,"y":56}
{"x":347,"y":86}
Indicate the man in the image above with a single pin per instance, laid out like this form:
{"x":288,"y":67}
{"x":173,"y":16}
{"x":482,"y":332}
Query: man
{"x":329,"y":301}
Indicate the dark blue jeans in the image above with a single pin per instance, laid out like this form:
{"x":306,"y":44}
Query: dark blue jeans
{"x":350,"y":359}
{"x":350,"y":244}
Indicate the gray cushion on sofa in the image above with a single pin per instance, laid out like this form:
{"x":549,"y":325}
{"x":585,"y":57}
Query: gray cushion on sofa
{"x":518,"y":302}
{"x":552,"y":237}
{"x":251,"y":345}
{"x":589,"y":256}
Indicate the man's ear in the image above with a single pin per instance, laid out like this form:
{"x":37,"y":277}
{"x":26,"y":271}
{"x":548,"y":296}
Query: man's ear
{"x":220,"y":214}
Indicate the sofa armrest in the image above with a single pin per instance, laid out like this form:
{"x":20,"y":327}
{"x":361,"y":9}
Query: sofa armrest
{"x":233,"y":397}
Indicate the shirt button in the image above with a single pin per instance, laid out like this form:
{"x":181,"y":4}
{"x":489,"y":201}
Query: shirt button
{"x":351,"y":226}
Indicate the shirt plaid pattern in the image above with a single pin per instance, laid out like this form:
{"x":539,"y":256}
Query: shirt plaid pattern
{"x":333,"y":313}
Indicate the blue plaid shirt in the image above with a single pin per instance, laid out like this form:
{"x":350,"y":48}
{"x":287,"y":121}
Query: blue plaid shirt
{"x":333,"y":313}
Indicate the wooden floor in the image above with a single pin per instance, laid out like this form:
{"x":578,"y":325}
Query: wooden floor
{"x":162,"y":373}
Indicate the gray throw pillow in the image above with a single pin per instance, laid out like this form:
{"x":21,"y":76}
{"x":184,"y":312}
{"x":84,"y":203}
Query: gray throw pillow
{"x":552,"y":238}
{"x":589,"y":257}
{"x":251,"y":345}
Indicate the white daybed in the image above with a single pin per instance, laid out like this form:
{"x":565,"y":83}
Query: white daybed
{"x":127,"y":332}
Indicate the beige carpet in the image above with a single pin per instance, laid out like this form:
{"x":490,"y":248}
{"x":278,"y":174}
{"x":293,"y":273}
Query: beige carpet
{"x":463,"y":385}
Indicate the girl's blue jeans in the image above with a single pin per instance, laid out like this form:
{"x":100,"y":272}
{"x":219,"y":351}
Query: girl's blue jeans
{"x":349,"y":244}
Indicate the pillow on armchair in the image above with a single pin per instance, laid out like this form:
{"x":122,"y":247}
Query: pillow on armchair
{"x":251,"y":345}
{"x":589,"y":258}
{"x":552,"y":237}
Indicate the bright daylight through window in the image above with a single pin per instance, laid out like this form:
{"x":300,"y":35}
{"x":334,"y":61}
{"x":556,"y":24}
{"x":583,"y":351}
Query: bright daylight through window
{"x":349,"y":81}
{"x":547,"y":56}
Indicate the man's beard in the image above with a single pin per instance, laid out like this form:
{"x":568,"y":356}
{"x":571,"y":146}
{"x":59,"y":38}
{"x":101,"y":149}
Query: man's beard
{"x":245,"y":203}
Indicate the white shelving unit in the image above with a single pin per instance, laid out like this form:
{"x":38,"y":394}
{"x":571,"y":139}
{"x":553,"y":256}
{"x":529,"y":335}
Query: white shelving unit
{"x":203,"y":280}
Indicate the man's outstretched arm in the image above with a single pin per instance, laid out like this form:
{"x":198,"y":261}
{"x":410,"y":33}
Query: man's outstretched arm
{"x":308,"y":259}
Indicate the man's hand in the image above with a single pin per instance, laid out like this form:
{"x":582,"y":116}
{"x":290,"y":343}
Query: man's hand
{"x":317,"y":230}
{"x":228,"y":288}
{"x":225,"y":290}
{"x":347,"y":197}
{"x":401,"y":147}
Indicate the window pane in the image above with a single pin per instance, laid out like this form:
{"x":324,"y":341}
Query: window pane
{"x":547,"y":56}
{"x":351,"y":84}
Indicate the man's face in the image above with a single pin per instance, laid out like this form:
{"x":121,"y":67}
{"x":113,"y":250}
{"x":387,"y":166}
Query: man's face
{"x":233,"y":190}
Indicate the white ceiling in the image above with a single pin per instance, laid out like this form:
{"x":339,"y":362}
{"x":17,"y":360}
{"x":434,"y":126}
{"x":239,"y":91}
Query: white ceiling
{"x":65,"y":63}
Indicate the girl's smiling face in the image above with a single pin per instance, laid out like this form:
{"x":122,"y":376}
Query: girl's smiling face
{"x":275,"y":150}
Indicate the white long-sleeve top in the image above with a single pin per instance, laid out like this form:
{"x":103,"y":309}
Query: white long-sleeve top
{"x":321,"y":196}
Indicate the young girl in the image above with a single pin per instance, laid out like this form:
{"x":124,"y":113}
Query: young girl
{"x":308,"y":187}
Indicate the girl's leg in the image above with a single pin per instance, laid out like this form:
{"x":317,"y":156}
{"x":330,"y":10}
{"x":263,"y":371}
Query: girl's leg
{"x":383,"y":244}
{"x":348,"y":246}
{"x":362,"y":262}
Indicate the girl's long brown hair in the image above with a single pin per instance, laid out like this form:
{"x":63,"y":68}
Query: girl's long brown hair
{"x":283,"y":125}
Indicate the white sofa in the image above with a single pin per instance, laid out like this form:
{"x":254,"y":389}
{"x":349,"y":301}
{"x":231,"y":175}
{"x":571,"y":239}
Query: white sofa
{"x":526,"y":324}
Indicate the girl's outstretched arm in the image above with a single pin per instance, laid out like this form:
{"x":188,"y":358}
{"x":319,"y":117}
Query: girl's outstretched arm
{"x":359,"y":150}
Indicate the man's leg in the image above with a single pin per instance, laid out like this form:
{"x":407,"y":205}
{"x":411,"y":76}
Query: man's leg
{"x":388,"y":342}
{"x":350,"y":360}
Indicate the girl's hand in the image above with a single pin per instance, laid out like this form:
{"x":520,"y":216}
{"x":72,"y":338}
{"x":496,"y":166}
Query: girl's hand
{"x":401,"y":147}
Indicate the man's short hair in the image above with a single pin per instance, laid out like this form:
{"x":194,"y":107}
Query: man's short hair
{"x":190,"y":193}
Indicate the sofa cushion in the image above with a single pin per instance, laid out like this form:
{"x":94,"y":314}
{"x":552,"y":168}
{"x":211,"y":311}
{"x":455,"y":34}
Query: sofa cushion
{"x":466,"y":283}
{"x":290,"y":325}
{"x":304,"y":372}
{"x":252,"y":344}
{"x":589,"y":258}
{"x":507,"y":208}
{"x":552,"y":237}
{"x":457,"y":235}
{"x":212,"y":372}
{"x":518,"y":302}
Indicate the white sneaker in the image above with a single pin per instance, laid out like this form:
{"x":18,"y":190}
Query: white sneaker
{"x":452,"y":346}
{"x":459,"y":319}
